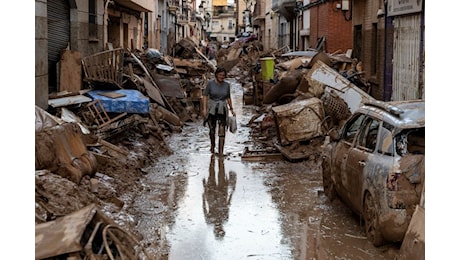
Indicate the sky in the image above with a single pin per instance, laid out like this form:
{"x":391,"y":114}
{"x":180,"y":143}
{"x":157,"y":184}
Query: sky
{"x":18,"y":117}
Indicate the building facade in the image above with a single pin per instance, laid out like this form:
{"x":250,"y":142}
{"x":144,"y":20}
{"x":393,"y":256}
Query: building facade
{"x":223,"y":23}
{"x":387,"y":36}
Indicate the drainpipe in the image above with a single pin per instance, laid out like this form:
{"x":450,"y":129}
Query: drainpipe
{"x":105,"y":22}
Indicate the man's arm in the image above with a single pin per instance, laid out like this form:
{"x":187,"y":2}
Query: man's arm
{"x":230,"y":104}
{"x":204,"y":104}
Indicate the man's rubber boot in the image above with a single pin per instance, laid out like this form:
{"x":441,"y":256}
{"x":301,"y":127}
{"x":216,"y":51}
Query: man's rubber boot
{"x":221,"y":145}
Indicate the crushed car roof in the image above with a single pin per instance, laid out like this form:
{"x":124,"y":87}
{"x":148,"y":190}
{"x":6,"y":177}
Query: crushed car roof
{"x":401,"y":114}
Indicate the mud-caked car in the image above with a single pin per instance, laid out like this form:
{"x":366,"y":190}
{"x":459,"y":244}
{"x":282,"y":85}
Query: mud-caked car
{"x":376,"y":165}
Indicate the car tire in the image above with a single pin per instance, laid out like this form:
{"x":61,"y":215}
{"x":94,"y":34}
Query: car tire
{"x":328,"y":185}
{"x":371,"y":220}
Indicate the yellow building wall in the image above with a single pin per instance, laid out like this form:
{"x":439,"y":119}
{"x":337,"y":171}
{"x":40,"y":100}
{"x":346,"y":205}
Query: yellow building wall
{"x":219,"y":2}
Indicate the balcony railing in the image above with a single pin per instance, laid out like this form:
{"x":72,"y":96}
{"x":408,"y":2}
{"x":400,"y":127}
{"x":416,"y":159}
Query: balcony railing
{"x":175,"y":3}
{"x":182,"y":19}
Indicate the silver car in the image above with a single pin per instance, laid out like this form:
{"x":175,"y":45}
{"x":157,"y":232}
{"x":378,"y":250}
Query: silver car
{"x":376,"y":165}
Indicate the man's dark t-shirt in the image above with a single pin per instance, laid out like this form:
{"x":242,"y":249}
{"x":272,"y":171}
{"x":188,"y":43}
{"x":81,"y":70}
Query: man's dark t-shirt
{"x":217,"y":92}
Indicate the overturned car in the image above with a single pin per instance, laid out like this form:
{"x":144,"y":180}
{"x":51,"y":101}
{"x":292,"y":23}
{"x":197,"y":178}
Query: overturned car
{"x":376,"y":165}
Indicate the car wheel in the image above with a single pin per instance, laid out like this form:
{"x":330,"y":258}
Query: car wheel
{"x":328,"y":185}
{"x":371,"y":220}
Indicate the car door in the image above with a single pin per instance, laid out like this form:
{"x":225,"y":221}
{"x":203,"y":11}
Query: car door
{"x":345,"y":143}
{"x":360,"y":160}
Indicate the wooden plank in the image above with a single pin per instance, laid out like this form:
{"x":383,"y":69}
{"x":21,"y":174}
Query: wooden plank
{"x":113,"y":119}
{"x":181,"y":71}
{"x":152,"y":91}
{"x":111,"y":94}
{"x":62,"y":94}
{"x":112,"y":146}
{"x":59,"y":102}
{"x":206,"y":59}
{"x":187,"y":63}
{"x":70,"y":71}
{"x":302,"y":152}
{"x":260,"y":155}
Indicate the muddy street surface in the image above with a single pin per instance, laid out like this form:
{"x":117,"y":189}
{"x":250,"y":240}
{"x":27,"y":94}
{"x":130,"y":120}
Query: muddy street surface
{"x":202,"y":206}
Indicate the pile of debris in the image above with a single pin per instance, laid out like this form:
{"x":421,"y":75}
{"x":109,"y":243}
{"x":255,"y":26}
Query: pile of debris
{"x":93,"y":143}
{"x":302,"y":96}
{"x":89,"y":233}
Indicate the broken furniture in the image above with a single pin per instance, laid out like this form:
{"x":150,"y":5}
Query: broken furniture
{"x":95,"y":114}
{"x":299,"y":121}
{"x":104,"y":67}
{"x":86,"y":232}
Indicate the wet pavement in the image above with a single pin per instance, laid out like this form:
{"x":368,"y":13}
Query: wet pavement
{"x":225,"y":208}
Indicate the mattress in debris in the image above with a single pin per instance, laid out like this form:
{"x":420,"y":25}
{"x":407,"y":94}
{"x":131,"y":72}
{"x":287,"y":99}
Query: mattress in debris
{"x":122,"y":100}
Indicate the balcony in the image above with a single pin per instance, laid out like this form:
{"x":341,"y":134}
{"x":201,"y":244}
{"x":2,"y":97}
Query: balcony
{"x":285,"y":7}
{"x":182,"y":19}
{"x":137,"y":5}
{"x":173,"y":5}
{"x":258,"y":14}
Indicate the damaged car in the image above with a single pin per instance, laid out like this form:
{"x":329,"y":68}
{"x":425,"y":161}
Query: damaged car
{"x":376,"y":165}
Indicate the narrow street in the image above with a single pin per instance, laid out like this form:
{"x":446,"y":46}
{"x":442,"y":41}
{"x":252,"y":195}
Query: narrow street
{"x":202,"y":206}
{"x":328,"y":159}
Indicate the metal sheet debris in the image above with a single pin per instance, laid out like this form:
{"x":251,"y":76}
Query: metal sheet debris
{"x":320,"y":73}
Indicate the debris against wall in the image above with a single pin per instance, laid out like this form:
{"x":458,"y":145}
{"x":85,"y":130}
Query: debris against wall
{"x":60,"y":148}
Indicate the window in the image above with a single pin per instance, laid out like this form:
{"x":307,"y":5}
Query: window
{"x":92,"y":20}
{"x":385,"y":144}
{"x":283,"y":35}
{"x":215,"y":24}
{"x":368,"y":136}
{"x":352,"y":128}
{"x":230,"y":24}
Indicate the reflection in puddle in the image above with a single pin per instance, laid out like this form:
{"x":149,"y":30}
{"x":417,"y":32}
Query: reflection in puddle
{"x":218,"y":219}
{"x":217,"y":196}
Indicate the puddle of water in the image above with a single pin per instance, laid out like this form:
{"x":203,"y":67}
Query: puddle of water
{"x":229,"y":217}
